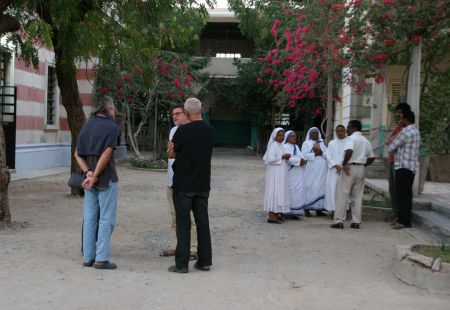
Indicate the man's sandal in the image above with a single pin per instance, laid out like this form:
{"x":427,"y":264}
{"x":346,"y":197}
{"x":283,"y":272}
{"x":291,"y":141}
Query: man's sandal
{"x":167,"y":253}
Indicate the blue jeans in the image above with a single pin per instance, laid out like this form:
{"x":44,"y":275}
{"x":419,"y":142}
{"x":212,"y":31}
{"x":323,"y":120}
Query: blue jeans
{"x":99,"y":211}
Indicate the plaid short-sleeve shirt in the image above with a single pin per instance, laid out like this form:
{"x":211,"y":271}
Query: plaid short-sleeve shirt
{"x":406,"y":145}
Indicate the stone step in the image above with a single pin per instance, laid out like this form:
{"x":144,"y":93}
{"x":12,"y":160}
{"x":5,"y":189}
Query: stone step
{"x":442,"y":209}
{"x":437,"y":225}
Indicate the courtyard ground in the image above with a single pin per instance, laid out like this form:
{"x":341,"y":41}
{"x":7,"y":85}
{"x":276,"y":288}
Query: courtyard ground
{"x":297,"y":265}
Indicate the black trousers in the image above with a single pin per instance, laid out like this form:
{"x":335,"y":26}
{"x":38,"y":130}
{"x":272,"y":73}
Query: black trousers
{"x":404,"y":179}
{"x":392,"y":192}
{"x":184,"y":202}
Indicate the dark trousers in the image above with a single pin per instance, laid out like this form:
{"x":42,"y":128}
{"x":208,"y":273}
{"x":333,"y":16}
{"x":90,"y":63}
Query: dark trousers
{"x":404,"y":179}
{"x":392,"y":192}
{"x":197,"y":202}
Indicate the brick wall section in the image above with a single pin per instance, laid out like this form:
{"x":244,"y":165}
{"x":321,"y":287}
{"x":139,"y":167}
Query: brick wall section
{"x":31,"y":96}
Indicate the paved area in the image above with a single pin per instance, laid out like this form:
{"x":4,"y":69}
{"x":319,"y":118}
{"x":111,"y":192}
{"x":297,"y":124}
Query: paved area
{"x":24,"y":175}
{"x":437,"y":193}
{"x":297,"y":265}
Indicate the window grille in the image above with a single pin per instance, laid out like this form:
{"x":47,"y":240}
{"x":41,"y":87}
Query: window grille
{"x":51,"y":96}
{"x":4,"y":59}
{"x":396,"y":92}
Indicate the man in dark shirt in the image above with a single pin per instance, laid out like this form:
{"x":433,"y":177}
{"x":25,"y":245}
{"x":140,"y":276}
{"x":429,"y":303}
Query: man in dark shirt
{"x":192,"y":148}
{"x":94,"y":155}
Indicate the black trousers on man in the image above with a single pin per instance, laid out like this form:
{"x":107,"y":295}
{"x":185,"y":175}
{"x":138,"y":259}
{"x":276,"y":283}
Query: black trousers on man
{"x":404,"y":179}
{"x":392,"y":192}
{"x":184,"y":202}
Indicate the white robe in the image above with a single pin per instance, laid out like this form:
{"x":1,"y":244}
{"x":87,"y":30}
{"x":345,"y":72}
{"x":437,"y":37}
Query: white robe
{"x":295,"y":179}
{"x":335,"y":156}
{"x":315,"y":177}
{"x":276,"y":195}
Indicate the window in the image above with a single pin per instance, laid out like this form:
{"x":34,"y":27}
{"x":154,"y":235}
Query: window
{"x":52,"y":93}
{"x":228,"y":55}
{"x":396,"y":92}
{"x":4,"y":60}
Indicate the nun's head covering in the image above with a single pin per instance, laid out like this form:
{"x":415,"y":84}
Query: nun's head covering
{"x":272,"y":140}
{"x":311,"y":130}
{"x":287,"y":135}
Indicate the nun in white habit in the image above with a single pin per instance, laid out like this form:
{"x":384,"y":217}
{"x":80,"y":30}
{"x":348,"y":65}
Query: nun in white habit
{"x":335,"y":156}
{"x":276,"y":195}
{"x":296,"y":170}
{"x":315,"y":172}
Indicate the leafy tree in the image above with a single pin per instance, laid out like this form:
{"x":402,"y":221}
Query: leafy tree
{"x":174,"y":76}
{"x":82,"y":29}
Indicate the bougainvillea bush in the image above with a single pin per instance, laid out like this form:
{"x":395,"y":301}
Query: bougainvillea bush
{"x":137,"y":96}
{"x":314,"y":40}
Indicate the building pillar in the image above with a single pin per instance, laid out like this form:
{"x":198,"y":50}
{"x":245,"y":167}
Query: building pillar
{"x":376,"y":113}
{"x":413,"y":95}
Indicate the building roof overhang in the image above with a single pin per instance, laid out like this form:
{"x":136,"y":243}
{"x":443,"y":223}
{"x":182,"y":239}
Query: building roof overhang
{"x":222,"y":15}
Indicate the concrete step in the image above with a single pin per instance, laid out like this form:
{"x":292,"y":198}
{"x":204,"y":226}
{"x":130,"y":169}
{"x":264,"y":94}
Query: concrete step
{"x":441,"y":209}
{"x":436,"y":224}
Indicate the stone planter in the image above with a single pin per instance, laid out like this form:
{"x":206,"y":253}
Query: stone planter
{"x":420,"y":270}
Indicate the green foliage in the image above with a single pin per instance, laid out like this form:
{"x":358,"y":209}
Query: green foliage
{"x":435,"y":113}
{"x":154,"y":161}
{"x":250,"y":97}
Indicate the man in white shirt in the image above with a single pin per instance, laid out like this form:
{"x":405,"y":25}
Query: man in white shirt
{"x":179,"y":118}
{"x":358,"y":154}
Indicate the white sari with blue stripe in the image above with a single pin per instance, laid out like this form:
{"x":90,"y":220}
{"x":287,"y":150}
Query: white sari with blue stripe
{"x":315,"y":174}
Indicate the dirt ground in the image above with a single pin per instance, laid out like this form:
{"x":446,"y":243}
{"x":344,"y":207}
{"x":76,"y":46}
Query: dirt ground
{"x":297,"y":265}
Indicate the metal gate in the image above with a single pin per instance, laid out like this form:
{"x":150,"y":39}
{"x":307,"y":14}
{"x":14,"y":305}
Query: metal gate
{"x":8,"y":103}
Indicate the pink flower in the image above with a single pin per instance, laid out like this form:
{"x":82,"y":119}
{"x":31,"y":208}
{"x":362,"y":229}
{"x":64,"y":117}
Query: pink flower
{"x":127,"y":78}
{"x":120,"y":92}
{"x":177,"y":83}
{"x":379,"y":79}
{"x":336,"y":7}
{"x":357,"y":2}
{"x":104,"y":90}
{"x":379,"y":58}
{"x":259,"y":80}
{"x":388,"y":2}
{"x":267,"y":70}
{"x":119,"y":84}
{"x":416,"y":38}
{"x":317,"y":112}
{"x":273,"y":31}
{"x":389,"y":42}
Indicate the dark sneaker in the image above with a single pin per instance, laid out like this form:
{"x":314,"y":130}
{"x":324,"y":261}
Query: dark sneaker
{"x":337,"y":225}
{"x":104,"y":265}
{"x":88,"y":263}
{"x":354,"y":225}
{"x":202,"y":268}
{"x":174,"y":268}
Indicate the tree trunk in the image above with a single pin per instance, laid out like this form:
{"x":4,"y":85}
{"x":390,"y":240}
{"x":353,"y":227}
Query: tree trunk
{"x":67,"y":82}
{"x":5,"y":175}
{"x":329,"y":131}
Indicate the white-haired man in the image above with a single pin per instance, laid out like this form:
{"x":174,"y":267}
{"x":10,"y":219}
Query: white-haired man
{"x":192,"y":148}
{"x":94,"y":155}
{"x":179,"y":118}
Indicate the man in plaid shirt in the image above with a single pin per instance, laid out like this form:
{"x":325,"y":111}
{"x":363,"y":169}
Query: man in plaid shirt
{"x":406,"y":149}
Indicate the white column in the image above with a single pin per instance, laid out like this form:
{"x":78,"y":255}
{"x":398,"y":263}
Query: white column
{"x":413,"y":96}
{"x":376,"y":113}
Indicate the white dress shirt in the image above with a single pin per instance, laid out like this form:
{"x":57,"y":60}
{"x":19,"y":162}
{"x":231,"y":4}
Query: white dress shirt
{"x":362,"y":149}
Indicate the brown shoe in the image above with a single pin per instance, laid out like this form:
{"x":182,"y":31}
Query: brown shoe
{"x":104,"y":265}
{"x":273,"y":218}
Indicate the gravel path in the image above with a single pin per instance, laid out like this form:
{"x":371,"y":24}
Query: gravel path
{"x":297,"y":265}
